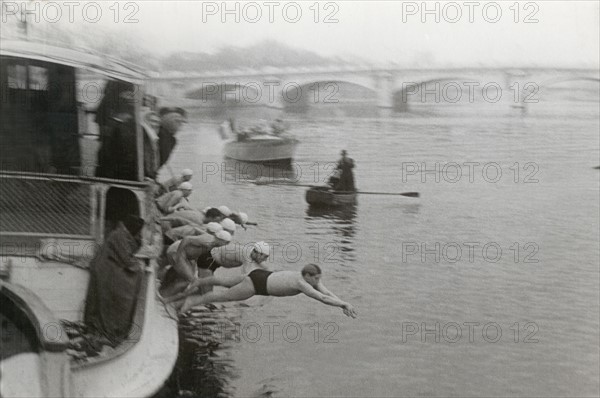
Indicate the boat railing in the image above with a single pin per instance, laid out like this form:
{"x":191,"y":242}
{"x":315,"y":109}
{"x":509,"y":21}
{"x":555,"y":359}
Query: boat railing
{"x":46,"y":206}
{"x":38,"y":205}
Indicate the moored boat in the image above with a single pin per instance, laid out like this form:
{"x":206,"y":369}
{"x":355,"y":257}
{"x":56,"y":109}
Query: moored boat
{"x":327,"y":197}
{"x":54,"y":214}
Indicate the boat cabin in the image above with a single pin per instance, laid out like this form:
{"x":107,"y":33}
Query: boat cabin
{"x":71,"y":168}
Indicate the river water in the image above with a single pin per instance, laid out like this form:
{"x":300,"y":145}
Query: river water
{"x":487,"y":285}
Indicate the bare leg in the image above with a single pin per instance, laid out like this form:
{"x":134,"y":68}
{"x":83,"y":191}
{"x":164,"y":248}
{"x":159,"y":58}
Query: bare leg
{"x":228,"y":281}
{"x":241,"y":291}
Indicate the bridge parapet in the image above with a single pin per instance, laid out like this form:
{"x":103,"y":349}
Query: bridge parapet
{"x":391,"y":86}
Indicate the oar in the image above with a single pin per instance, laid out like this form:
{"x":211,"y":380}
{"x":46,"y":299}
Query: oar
{"x":409,"y":194}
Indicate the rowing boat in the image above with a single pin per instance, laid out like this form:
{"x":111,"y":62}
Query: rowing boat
{"x":326,"y":197}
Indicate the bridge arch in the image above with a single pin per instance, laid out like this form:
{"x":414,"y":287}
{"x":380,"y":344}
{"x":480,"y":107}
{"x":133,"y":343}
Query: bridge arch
{"x":299,"y":97}
{"x":453,"y":91}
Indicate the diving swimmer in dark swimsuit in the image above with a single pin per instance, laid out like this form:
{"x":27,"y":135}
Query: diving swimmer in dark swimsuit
{"x":281,"y":284}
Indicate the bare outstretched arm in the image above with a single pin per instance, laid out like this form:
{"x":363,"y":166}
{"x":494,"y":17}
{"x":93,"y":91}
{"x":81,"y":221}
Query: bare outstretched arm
{"x":321,"y":288}
{"x":327,"y":299}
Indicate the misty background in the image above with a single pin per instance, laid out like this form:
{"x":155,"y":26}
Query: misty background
{"x":183,"y":36}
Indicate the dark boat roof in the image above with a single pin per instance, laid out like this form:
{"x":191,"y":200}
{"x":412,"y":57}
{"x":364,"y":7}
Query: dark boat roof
{"x":102,"y":64}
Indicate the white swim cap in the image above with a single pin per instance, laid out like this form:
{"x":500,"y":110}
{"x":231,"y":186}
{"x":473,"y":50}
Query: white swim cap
{"x":224,"y":210}
{"x":187,"y":172}
{"x":185,"y":186}
{"x":213,"y":227}
{"x":224,"y":235}
{"x":228,"y":225}
{"x":262,"y":248}
{"x":243,"y":217}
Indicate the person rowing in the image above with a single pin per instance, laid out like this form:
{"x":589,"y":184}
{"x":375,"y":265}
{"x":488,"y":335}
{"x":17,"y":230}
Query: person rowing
{"x":279,"y":284}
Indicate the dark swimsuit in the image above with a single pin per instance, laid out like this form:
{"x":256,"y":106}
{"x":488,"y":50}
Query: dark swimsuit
{"x":206,"y":261}
{"x":259,"y":280}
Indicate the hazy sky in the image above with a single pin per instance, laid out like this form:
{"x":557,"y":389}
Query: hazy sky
{"x":566,"y":32}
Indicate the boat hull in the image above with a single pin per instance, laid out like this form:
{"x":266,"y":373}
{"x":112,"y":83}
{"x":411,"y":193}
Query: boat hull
{"x":261,"y":150}
{"x":324,"y":197}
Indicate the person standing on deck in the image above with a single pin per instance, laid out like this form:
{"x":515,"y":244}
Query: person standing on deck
{"x":172,"y":121}
{"x":345,"y":166}
{"x":151,"y":124}
{"x":117,"y":156}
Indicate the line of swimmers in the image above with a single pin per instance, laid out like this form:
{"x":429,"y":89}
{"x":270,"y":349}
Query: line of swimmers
{"x":198,"y":243}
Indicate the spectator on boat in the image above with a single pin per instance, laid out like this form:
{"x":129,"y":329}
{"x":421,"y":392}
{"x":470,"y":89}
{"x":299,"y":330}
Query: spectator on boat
{"x":172,"y":121}
{"x":280,"y":284}
{"x":345,"y":166}
{"x":151,"y":124}
{"x":117,"y":157}
{"x":115,"y":280}
{"x":176,"y":200}
{"x":183,"y":255}
{"x":172,"y":183}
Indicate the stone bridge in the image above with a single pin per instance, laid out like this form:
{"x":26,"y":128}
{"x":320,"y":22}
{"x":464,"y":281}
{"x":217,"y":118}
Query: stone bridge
{"x":388,"y":88}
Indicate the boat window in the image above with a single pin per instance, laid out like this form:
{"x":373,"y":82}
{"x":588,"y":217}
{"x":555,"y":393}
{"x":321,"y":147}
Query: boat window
{"x":17,"y":76}
{"x":38,"y":78}
{"x":39,"y":117}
